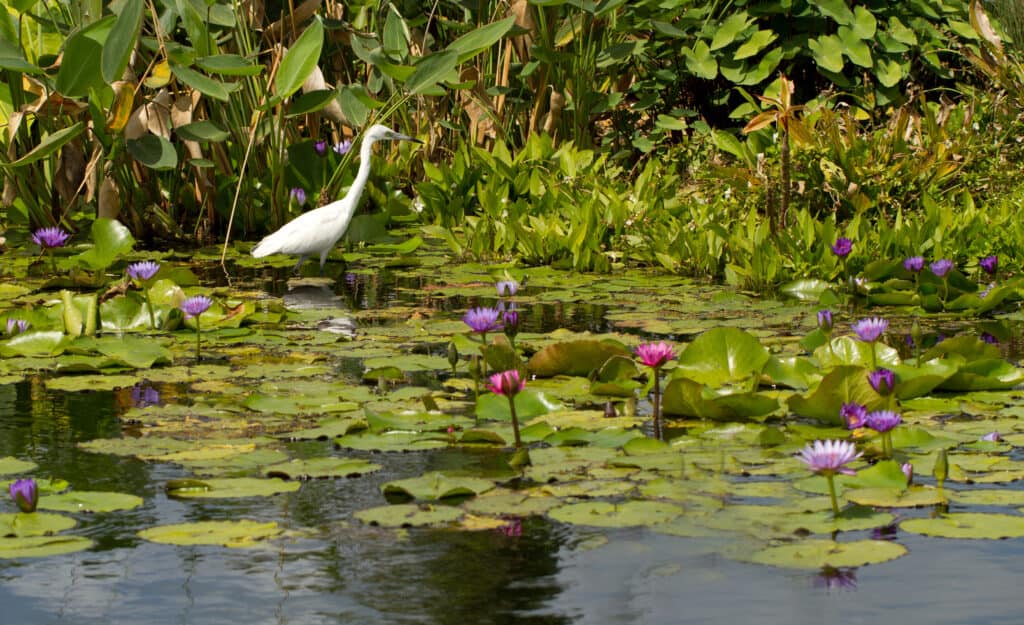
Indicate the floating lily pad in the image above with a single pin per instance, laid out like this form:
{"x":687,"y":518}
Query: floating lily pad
{"x":1003,"y":497}
{"x":721,"y":356}
{"x":968,"y":525}
{"x":505,"y":502}
{"x":215,"y":488}
{"x":437,"y":485}
{"x":816,"y":554}
{"x":410,"y":515}
{"x":841,"y":385}
{"x":74,"y":383}
{"x":235,"y":464}
{"x":896,"y":497}
{"x":23,"y":524}
{"x":574,"y":357}
{"x":42,"y":546}
{"x":626,"y":514}
{"x":243,"y":533}
{"x":89,"y":501}
{"x":393,"y":441}
{"x":327,"y":429}
{"x":313,"y":468}
{"x":10,"y":465}
{"x":148,"y":446}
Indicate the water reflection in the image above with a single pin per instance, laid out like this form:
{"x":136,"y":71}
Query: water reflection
{"x":832,"y":579}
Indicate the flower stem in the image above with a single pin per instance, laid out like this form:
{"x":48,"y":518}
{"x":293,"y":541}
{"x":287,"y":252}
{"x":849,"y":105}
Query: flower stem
{"x":198,"y":356}
{"x":657,"y":403}
{"x":887,"y":444}
{"x":149,"y":306}
{"x":515,"y":419}
{"x":832,"y":493}
{"x":53,"y":261}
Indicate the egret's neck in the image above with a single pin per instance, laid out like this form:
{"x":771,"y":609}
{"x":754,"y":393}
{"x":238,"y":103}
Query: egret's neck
{"x":365,"y":154}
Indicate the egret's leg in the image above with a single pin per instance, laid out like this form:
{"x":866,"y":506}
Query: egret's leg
{"x":298,"y":265}
{"x":323,"y":260}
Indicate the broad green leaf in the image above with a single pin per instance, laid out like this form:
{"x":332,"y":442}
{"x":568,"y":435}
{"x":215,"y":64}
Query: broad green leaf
{"x":81,"y":66}
{"x":838,"y":10}
{"x":205,"y":130}
{"x":757,"y":42}
{"x":22,"y":524}
{"x":121,"y":41}
{"x":700,"y":61}
{"x":437,"y":485}
{"x":529,"y":404}
{"x":575,"y":357}
{"x":12,"y":58}
{"x":828,"y":52}
{"x":311,"y":102}
{"x":300,"y":60}
{"x":215,"y":488}
{"x":888,"y":71}
{"x":10,"y":465}
{"x":479,"y":39}
{"x":318,"y":468}
{"x":50,"y":144}
{"x":721,"y":356}
{"x":203,"y":83}
{"x":864,"y":24}
{"x":854,"y":47}
{"x":153,"y":152}
{"x":841,"y":385}
{"x":431,"y":70}
{"x":40,"y":343}
{"x":228,"y":65}
{"x":728,"y":30}
{"x":625,"y":514}
{"x":111,"y":240}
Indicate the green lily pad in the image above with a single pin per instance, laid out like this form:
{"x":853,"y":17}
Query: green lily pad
{"x":10,"y":465}
{"x":574,"y":357}
{"x":529,"y":404}
{"x":22,"y":524}
{"x":215,"y":488}
{"x":843,"y":384}
{"x":895,"y":497}
{"x":1003,"y":497}
{"x":410,"y":515}
{"x":984,"y":375}
{"x":437,"y":485}
{"x":689,"y":398}
{"x":515,"y":503}
{"x":393,"y":441}
{"x":816,"y":554}
{"x":315,"y":468}
{"x":416,"y":421}
{"x":149,"y":446}
{"x":42,"y":546}
{"x":605,"y":514}
{"x":968,"y":525}
{"x":243,"y":533}
{"x":327,"y":429}
{"x":75,"y":383}
{"x":89,"y":501}
{"x":720,"y":356}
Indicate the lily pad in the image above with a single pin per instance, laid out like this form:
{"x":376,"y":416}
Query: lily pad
{"x":968,"y":525}
{"x":605,"y":514}
{"x":22,"y":524}
{"x":42,"y":546}
{"x":10,"y":465}
{"x":410,"y":515}
{"x":89,"y":501}
{"x":720,"y":356}
{"x":215,"y":488}
{"x":314,"y":468}
{"x":843,"y":384}
{"x":816,"y":554}
{"x":895,"y":497}
{"x":243,"y":533}
{"x":574,"y":357}
{"x":437,"y":485}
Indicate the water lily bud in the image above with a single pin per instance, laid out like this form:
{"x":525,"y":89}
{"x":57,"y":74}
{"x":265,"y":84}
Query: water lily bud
{"x":908,"y":470}
{"x":453,"y":355}
{"x":25,"y":494}
{"x":609,"y":410}
{"x":941,"y":470}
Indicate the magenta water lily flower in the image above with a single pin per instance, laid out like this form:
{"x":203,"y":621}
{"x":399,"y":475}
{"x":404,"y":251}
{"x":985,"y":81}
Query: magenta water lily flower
{"x":298,"y":195}
{"x":842,"y":247}
{"x":989,"y":264}
{"x":883,"y":420}
{"x":655,"y":355}
{"x":482,"y":320}
{"x":914,"y":264}
{"x":50,"y":237}
{"x":871,"y":329}
{"x":830,"y":457}
{"x":25,"y":494}
{"x":853,"y":414}
{"x":16,"y":326}
{"x":143,"y":270}
{"x":825,"y":320}
{"x":508,"y":383}
{"x":941,"y":267}
{"x":882,"y":380}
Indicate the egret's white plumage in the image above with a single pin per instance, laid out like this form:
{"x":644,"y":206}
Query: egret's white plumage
{"x":319,"y":230}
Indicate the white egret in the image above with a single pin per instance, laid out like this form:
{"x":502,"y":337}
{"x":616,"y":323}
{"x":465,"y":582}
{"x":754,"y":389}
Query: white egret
{"x":319,"y":230}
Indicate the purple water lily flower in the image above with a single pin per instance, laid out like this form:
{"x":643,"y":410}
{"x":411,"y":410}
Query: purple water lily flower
{"x":298,"y":195}
{"x":989,"y":264}
{"x":883,"y":420}
{"x":25,"y":494}
{"x":320,"y":147}
{"x":829,"y":457}
{"x":482,"y":320}
{"x":853,"y":414}
{"x":842,"y":247}
{"x":988,"y":338}
{"x":914,"y":264}
{"x":510,"y":321}
{"x":50,"y":237}
{"x":655,"y":355}
{"x":144,"y":395}
{"x":882,"y":380}
{"x":195,"y":306}
{"x":992,"y":437}
{"x":871,"y":329}
{"x":825,"y":320}
{"x":16,"y":326}
{"x":941,"y":267}
{"x":342,"y":147}
{"x":507,"y":288}
{"x":143,"y":271}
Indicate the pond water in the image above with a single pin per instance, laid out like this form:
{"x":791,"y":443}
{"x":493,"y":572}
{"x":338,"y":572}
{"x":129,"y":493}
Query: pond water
{"x":333,"y":568}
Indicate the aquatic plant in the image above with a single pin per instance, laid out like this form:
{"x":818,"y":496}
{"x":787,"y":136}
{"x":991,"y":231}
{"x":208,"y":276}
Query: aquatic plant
{"x":509,"y":383}
{"x":940,"y":470}
{"x":142,"y":272}
{"x":828,"y":458}
{"x":25,"y":494}
{"x":842,"y":247}
{"x":853,"y":415}
{"x":908,"y":470}
{"x":507,"y":288}
{"x":883,"y":421}
{"x":655,"y":355}
{"x":320,"y":147}
{"x":482,"y":320}
{"x":989,"y":264}
{"x":871,"y":329}
{"x":49,"y":238}
{"x":342,"y":147}
{"x":941,"y":267}
{"x":297,"y":195}
{"x":16,"y":326}
{"x":914,"y":264}
{"x":194,"y":307}
{"x":825,"y":321}
{"x":883,"y":381}
{"x":510,"y":324}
